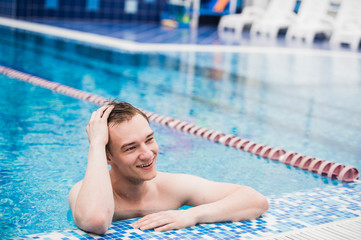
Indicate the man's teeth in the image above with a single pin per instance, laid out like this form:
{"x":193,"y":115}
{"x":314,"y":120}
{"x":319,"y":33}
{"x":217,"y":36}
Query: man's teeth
{"x":146,"y":165}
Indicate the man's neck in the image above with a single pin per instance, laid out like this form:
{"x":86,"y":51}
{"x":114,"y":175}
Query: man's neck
{"x":129,"y":190}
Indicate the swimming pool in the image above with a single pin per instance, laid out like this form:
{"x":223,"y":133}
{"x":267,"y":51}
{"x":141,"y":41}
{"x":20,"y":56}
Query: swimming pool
{"x":252,"y":95}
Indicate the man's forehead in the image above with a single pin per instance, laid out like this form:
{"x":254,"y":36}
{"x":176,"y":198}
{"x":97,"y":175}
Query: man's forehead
{"x":138,"y":126}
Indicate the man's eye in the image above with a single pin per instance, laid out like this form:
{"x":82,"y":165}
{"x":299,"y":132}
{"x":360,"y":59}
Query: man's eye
{"x":129,"y":149}
{"x":149,"y":139}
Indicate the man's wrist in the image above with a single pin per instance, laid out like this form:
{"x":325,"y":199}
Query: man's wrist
{"x":97,"y":145}
{"x":97,"y":151}
{"x":196,"y":214}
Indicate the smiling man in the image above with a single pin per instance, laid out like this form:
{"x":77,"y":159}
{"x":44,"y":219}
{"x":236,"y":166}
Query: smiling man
{"x":120,"y":136}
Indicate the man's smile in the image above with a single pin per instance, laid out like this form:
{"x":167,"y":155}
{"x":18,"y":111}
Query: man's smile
{"x":147,"y":164}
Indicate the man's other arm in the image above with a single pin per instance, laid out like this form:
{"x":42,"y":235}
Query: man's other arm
{"x":212,"y":201}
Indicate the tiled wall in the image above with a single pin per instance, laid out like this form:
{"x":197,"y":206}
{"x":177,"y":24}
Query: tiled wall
{"x":7,"y":7}
{"x":133,"y":10}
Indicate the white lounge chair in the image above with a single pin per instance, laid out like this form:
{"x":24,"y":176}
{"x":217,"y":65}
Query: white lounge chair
{"x":347,"y":29}
{"x":312,"y":18}
{"x":279,"y":15}
{"x":230,"y":27}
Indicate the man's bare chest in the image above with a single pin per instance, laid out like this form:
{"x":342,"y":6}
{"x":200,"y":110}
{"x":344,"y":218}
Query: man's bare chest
{"x":131,"y":209}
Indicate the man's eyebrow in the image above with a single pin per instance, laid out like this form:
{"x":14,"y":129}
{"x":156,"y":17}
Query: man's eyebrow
{"x":150,"y":135}
{"x":133,"y":143}
{"x":127,"y":145}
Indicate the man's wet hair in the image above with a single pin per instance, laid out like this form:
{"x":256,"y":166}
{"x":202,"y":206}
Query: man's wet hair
{"x":122,"y":112}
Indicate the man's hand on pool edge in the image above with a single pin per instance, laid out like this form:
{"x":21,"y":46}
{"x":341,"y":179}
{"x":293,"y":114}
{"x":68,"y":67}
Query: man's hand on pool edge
{"x":166,"y":220}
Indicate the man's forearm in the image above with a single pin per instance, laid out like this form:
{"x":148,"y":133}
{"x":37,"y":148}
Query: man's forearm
{"x":243,"y":204}
{"x":95,"y":204}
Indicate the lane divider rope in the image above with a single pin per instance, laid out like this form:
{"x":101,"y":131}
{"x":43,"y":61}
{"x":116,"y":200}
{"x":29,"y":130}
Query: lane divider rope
{"x":315,"y":165}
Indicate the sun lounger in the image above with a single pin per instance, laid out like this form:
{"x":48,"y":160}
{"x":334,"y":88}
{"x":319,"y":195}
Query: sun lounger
{"x":278,"y":15}
{"x":347,"y":28}
{"x":312,"y":19}
{"x":230,"y":27}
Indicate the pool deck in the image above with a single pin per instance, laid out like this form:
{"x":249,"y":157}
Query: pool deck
{"x":288,"y":212}
{"x":155,"y":38}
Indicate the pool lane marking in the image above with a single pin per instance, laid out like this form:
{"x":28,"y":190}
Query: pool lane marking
{"x":154,"y":47}
{"x":315,"y":165}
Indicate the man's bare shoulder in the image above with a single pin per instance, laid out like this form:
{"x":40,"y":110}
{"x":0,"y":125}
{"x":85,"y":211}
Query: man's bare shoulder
{"x":177,"y":185}
{"x":193,"y":190}
{"x":176,"y":182}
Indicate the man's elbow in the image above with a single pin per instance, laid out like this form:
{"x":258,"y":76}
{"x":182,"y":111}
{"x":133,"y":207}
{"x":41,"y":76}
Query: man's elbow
{"x":258,"y":203}
{"x":97,"y":224}
{"x":263,"y":204}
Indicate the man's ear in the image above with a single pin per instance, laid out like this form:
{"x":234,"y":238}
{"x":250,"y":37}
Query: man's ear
{"x":108,"y":155}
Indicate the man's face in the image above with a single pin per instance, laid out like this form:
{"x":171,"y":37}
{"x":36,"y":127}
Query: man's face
{"x":133,"y":149}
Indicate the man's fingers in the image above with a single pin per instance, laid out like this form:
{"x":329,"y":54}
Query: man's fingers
{"x":107,"y":111}
{"x":97,"y":112}
{"x":162,"y":221}
{"x":100,"y":111}
{"x":93,"y":115}
{"x":148,"y":217}
{"x":147,"y":220}
{"x":153,"y":221}
{"x":155,"y":224}
{"x":166,"y":227}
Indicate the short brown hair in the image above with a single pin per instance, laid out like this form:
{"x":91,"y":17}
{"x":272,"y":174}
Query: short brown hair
{"x":122,"y":112}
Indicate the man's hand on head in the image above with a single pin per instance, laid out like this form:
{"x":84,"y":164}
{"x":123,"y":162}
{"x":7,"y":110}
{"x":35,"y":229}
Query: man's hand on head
{"x":97,"y":128}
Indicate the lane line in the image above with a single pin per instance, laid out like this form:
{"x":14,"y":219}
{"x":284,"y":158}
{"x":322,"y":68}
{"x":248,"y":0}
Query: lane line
{"x":315,"y":165}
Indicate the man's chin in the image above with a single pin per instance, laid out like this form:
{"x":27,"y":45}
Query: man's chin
{"x":152,"y":175}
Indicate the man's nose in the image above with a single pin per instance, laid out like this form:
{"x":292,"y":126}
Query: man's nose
{"x":146,"y":153}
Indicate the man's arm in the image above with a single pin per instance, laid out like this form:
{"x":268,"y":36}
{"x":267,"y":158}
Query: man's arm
{"x":91,"y":200}
{"x":213,"y":201}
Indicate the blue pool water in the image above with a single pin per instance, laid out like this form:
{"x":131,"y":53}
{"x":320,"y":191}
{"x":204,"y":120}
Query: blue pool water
{"x":306,"y":103}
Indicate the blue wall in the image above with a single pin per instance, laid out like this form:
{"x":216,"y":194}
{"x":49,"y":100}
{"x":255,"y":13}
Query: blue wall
{"x":117,"y":10}
{"x":7,"y":8}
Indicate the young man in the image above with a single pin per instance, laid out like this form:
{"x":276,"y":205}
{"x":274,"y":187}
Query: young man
{"x":120,"y":136}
